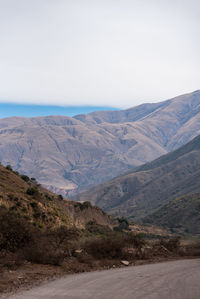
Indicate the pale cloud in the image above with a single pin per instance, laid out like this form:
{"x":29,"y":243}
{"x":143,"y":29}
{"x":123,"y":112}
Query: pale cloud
{"x":80,"y":52}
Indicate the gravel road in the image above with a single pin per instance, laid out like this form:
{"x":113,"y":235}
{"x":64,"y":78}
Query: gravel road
{"x":171,"y":280}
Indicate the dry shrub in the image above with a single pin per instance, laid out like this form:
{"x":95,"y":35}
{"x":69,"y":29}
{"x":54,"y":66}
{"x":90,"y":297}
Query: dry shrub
{"x":135,"y":240}
{"x":95,"y":228}
{"x":171,"y":244}
{"x":74,"y":266}
{"x":43,"y":252}
{"x":192,"y":249}
{"x":11,"y":260}
{"x":18,"y":236}
{"x":84,"y":258}
{"x":114,"y":246}
{"x":105,"y":247}
{"x":15,"y":232}
{"x":51,"y":247}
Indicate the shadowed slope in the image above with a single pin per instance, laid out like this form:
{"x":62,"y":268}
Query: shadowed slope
{"x":182,"y":215}
{"x":140,"y":191}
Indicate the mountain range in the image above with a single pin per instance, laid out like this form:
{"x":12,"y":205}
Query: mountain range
{"x":144,"y":190}
{"x":71,"y":154}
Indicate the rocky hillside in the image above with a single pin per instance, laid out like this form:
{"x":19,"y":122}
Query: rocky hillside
{"x":27,"y":200}
{"x":149,"y":187}
{"x":68,"y":155}
{"x":182,"y":215}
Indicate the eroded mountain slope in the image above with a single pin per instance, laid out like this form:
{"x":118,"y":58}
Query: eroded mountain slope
{"x":71,"y":154}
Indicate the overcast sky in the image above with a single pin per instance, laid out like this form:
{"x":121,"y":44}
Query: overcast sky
{"x":117,"y":53}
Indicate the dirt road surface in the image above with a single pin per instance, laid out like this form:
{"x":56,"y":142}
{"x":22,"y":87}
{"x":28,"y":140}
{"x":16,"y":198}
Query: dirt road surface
{"x":171,"y":280}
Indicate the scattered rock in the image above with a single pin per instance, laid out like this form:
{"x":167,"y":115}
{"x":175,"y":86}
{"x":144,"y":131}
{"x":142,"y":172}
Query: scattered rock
{"x":126,"y":263}
{"x":79,"y":251}
{"x":132,"y":251}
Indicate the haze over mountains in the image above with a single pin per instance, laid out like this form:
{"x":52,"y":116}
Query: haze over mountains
{"x":71,"y":154}
{"x":143,"y":190}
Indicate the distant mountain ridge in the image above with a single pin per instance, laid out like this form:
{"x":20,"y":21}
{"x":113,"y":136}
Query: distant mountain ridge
{"x":141,"y":191}
{"x":69,"y":154}
{"x":129,"y":115}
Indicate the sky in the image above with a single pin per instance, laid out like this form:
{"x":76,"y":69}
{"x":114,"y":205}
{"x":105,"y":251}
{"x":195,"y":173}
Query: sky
{"x":100,"y":53}
{"x":32,"y":110}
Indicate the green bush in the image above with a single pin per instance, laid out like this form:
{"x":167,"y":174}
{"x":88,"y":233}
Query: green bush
{"x":25,"y":178}
{"x":85,"y":205}
{"x":9,"y":167}
{"x":123,"y":224}
{"x":11,"y":196}
{"x":34,"y":180}
{"x":37,"y":215}
{"x":32,"y":191}
{"x":34,"y":204}
{"x":48,"y":197}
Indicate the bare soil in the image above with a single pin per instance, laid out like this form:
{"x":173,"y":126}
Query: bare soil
{"x":29,"y":275}
{"x":171,"y":279}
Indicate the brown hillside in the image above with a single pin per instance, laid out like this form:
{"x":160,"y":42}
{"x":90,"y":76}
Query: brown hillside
{"x":28,"y":200}
{"x":181,"y":215}
{"x":143,"y":190}
{"x":71,"y":154}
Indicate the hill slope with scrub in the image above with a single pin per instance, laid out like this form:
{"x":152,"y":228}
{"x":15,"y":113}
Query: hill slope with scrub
{"x":181,"y":215}
{"x":24,"y":198}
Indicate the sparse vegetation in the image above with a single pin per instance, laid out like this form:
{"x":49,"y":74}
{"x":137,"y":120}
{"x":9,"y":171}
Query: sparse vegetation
{"x":8,"y":167}
{"x":123,"y":224}
{"x":85,"y":205}
{"x":36,"y":226}
{"x":109,"y":247}
{"x":15,"y":232}
{"x":114,"y":245}
{"x":32,"y":191}
{"x":25,"y":178}
{"x":181,"y":215}
{"x":172,"y":244}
